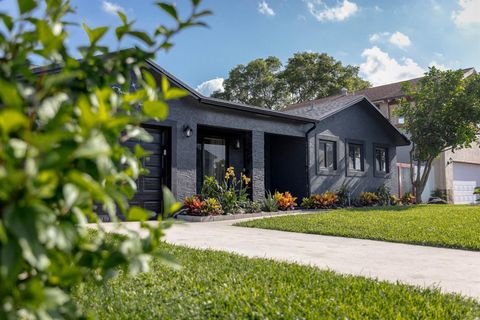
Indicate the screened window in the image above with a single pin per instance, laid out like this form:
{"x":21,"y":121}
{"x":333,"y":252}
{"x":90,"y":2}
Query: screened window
{"x":355,"y":157}
{"x":381,"y":159}
{"x":327,"y":154}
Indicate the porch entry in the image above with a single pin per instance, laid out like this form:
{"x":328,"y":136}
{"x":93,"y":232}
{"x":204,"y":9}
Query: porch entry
{"x":219,"y":148}
{"x":286,"y":164}
{"x":158,"y":163}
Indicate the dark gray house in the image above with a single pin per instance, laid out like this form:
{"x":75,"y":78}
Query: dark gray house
{"x":307,"y":148}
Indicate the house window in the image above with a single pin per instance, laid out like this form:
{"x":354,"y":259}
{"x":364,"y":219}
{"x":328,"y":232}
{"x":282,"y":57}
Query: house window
{"x":401,"y":120}
{"x":327,"y":155}
{"x":355,"y":157}
{"x":213,"y":157}
{"x":381,"y":160}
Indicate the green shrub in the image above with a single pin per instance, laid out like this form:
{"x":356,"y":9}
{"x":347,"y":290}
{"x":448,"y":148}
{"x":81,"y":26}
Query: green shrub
{"x":308,"y":203}
{"x":368,"y":199}
{"x":211,"y":207}
{"x":62,"y":157}
{"x":384,"y":195}
{"x":439,"y":193}
{"x":343,"y":195}
{"x":232,"y":193}
{"x":270,"y":204}
{"x":252,"y":207}
{"x":408,"y":198}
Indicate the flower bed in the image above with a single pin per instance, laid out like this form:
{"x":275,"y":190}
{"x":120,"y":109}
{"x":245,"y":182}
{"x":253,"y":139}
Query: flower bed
{"x":230,"y":197}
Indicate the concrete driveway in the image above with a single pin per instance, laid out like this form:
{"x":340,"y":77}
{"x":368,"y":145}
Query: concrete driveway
{"x":449,"y":269}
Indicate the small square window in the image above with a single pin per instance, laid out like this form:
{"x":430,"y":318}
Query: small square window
{"x":355,"y":157}
{"x":327,"y":155}
{"x":401,"y":120}
{"x":381,"y":160}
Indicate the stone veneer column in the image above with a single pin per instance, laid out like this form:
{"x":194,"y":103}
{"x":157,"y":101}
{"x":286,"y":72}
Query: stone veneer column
{"x":258,"y":164}
{"x":186,"y":148}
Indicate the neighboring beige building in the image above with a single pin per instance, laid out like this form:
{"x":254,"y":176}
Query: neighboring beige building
{"x":454,"y":173}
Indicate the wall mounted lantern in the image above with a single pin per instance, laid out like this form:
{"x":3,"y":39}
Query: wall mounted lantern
{"x":237,"y":144}
{"x":187,"y":131}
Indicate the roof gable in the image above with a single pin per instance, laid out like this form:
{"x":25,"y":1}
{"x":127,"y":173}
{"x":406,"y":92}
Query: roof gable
{"x":327,"y":107}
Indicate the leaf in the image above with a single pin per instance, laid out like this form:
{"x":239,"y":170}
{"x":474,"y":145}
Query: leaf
{"x":141,"y":36}
{"x":170,"y":205}
{"x":156,"y":109}
{"x":3,"y":234}
{"x":169,"y":8}
{"x":165,"y":84}
{"x":122,"y":16}
{"x":94,"y":34}
{"x":94,"y":147}
{"x":9,"y":95}
{"x":55,"y":297}
{"x":149,"y":79}
{"x":138,"y":214}
{"x":11,"y":258}
{"x":25,"y":6}
{"x":7,"y":21}
{"x":11,"y":120}
{"x":70,"y":194}
{"x":175,"y":93}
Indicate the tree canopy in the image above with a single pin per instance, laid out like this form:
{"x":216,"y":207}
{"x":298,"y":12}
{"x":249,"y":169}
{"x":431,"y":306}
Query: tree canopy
{"x":442,"y":112}
{"x":306,"y":76}
{"x":62,"y":156}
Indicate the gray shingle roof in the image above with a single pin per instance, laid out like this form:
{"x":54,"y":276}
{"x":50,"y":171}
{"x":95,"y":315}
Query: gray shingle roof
{"x":322,"y":108}
{"x":394,"y":90}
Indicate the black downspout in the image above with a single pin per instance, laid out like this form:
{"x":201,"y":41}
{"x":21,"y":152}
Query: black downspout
{"x":307,"y":150}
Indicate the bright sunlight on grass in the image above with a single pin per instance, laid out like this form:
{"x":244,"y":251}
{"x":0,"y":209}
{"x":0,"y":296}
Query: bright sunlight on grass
{"x":435,"y":225}
{"x":216,"y":285}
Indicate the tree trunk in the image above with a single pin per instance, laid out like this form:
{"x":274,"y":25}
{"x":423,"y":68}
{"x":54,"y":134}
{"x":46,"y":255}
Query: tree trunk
{"x":419,"y":179}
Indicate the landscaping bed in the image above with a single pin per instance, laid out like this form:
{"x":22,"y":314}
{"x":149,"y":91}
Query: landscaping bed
{"x":451,"y":226}
{"x":217,"y":285}
{"x":191,"y":218}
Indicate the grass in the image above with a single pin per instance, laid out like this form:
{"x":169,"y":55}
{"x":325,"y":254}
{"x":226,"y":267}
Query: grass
{"x":217,"y":285}
{"x":435,"y":225}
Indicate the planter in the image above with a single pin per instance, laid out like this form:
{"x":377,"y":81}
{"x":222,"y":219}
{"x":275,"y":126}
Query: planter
{"x":190,"y":218}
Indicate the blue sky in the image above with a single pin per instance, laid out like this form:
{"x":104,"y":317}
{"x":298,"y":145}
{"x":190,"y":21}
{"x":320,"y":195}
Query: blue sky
{"x":389,"y":40}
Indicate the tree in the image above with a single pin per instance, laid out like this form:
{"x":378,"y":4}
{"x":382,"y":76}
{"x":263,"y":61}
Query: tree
{"x":257,"y":83}
{"x":62,"y":157}
{"x":442,"y":112}
{"x":307,"y":76}
{"x":311,"y":75}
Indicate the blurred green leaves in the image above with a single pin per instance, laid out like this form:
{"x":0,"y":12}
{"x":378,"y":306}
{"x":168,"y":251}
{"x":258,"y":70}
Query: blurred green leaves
{"x":63,"y":158}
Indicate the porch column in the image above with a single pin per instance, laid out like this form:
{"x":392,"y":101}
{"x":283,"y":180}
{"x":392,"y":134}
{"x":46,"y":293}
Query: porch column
{"x":186,"y":166}
{"x":258,"y":165}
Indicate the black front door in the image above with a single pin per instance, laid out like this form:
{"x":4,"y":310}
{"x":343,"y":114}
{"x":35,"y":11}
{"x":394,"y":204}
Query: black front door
{"x":149,"y":185}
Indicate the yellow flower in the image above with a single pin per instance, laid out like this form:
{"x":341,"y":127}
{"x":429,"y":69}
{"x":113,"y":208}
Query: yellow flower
{"x":230,"y":173}
{"x":245,"y":179}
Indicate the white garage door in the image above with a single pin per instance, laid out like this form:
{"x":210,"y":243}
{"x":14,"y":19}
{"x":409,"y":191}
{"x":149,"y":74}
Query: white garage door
{"x":465,"y":178}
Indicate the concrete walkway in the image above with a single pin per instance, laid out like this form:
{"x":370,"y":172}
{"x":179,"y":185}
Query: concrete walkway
{"x":449,"y":269}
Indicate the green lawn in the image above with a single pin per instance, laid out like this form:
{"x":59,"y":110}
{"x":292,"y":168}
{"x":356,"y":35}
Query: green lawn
{"x":216,"y":285}
{"x":435,"y":225}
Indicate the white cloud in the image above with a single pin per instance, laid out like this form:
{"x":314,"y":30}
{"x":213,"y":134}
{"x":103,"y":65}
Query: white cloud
{"x":379,"y":68}
{"x":400,"y":40}
{"x":438,"y":65}
{"x":468,"y":14}
{"x":341,"y":12}
{"x":111,"y":8}
{"x":265,"y":9}
{"x":210,"y":86}
{"x":378,"y":36}
{"x":377,"y":8}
